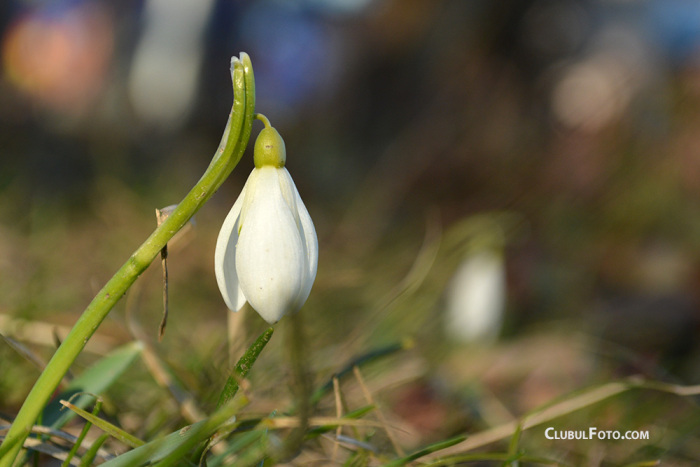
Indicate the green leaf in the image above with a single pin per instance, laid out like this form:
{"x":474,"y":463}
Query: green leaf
{"x":425,"y":451}
{"x":243,"y":366}
{"x":95,"y":380}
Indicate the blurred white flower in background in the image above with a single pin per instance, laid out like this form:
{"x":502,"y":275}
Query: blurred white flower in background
{"x":168,"y":58}
{"x":476,"y":297}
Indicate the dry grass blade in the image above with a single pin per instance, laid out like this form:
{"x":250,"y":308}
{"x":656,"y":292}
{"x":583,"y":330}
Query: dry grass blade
{"x":380,"y":414}
{"x":41,"y":333}
{"x":161,"y":215}
{"x":49,"y":449}
{"x":294,"y":422}
{"x":24,"y":351}
{"x":338,"y":413}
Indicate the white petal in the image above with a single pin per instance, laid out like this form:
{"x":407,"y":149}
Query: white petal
{"x":308,"y":233}
{"x":225,"y":255}
{"x":270,"y":258}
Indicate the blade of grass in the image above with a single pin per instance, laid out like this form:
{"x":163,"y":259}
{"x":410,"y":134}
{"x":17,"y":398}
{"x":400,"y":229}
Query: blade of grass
{"x":58,"y":434}
{"x":24,"y":352}
{"x":330,"y":422}
{"x":81,"y":437}
{"x":514,"y":441}
{"x":91,"y":453}
{"x":114,"y":431}
{"x":355,"y":444}
{"x":338,"y":413}
{"x":243,"y":366}
{"x":425,"y":451}
{"x":37,"y":446}
{"x":650,"y":463}
{"x":239,"y":443}
{"x":32,"y":331}
{"x":255,"y":455}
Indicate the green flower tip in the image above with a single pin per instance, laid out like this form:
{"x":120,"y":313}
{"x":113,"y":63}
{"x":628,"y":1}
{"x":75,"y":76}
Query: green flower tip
{"x":269,"y":147}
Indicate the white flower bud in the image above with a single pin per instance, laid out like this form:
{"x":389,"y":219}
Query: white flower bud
{"x":267,"y":250}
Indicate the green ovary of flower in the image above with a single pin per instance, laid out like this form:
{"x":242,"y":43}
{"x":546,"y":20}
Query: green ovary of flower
{"x":269,"y":147}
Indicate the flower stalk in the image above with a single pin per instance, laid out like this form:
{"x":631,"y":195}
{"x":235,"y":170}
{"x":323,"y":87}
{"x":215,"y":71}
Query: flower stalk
{"x":227,"y":156}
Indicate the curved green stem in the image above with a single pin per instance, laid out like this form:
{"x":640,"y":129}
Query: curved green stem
{"x":229,"y":153}
{"x":263,"y":119}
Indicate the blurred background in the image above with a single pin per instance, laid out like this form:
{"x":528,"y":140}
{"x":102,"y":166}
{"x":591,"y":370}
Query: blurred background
{"x":512,"y":186}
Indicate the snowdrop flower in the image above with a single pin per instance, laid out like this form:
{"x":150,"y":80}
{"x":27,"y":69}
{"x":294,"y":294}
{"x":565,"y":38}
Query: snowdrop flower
{"x":267,"y":250}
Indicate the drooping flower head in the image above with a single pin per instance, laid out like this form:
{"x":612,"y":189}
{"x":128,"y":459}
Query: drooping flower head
{"x":267,"y":250}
